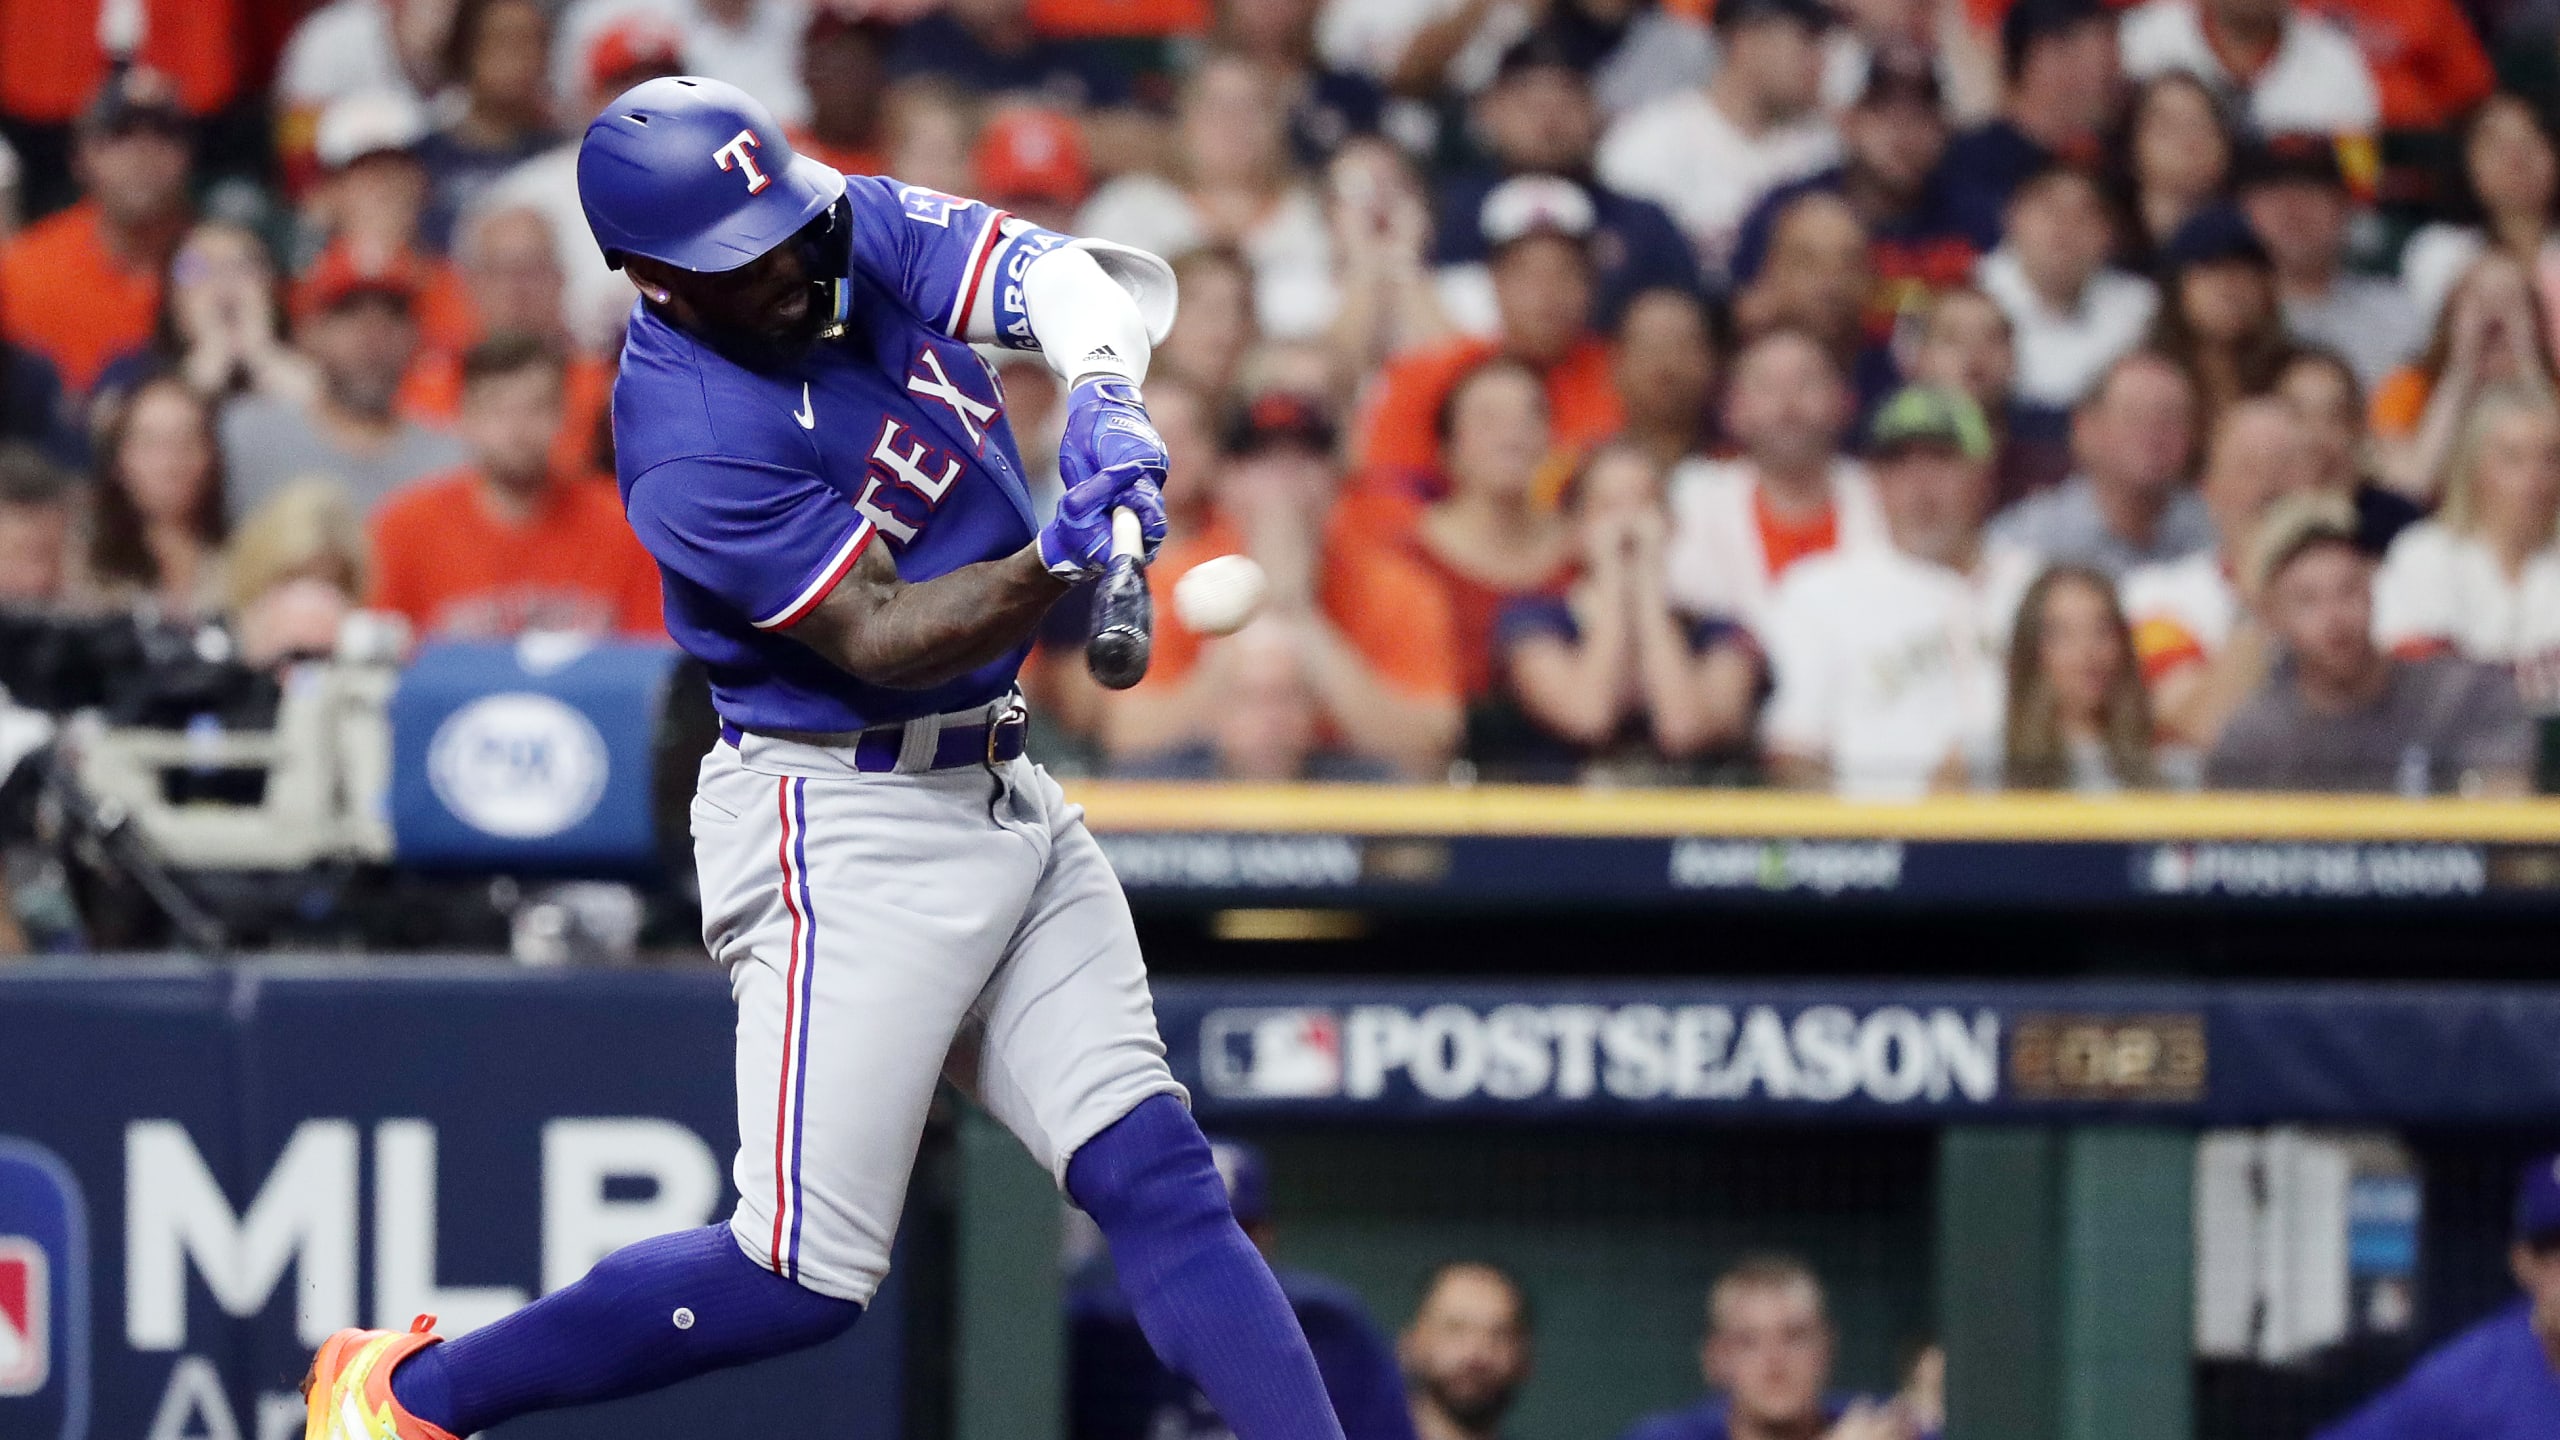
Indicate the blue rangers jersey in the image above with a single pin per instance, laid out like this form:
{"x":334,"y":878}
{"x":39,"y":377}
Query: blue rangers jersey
{"x":758,"y":489}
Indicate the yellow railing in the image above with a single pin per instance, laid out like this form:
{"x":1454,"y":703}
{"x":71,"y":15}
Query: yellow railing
{"x":1532,"y":810}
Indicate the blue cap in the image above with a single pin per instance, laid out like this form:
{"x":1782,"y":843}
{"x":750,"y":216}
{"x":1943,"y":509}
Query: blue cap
{"x":2538,"y":1200}
{"x":1247,"y":1177}
{"x":697,"y":174}
{"x":2212,"y":236}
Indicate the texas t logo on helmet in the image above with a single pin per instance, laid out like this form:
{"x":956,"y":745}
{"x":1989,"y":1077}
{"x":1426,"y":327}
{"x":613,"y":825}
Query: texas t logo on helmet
{"x":739,"y":154}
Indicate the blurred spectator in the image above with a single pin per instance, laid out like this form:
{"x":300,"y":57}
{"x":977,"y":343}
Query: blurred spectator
{"x":1487,"y":540}
{"x":1213,"y":329}
{"x":1707,"y":154}
{"x":296,"y":566}
{"x":1966,"y":344}
{"x":2503,"y":198}
{"x":1768,"y":1354}
{"x":1604,"y":672}
{"x":1327,"y":103}
{"x":638,"y":48}
{"x":1737,"y":525}
{"x":1237,"y":188}
{"x":511,"y":542}
{"x":2500,"y":1379}
{"x":752,"y":44}
{"x":844,"y":62}
{"x":359,"y":328}
{"x":2078,"y":718}
{"x":2061,"y":84}
{"x":1370,"y":623}
{"x":2175,"y":162}
{"x":2339,"y":712}
{"x":932,"y":128}
{"x":1422,"y":49}
{"x":83,"y":286}
{"x":511,"y":275}
{"x":346,"y":48}
{"x":1030,"y":162}
{"x":2322,"y":389}
{"x":1539,"y":228}
{"x":1467,"y":1351}
{"x":1886,"y":656}
{"x":2427,"y":64}
{"x":1666,"y":376}
{"x":2218,"y":313}
{"x":2070,"y":313}
{"x":221,"y":325}
{"x":55,"y":56}
{"x":2491,"y":333}
{"x":157,"y":520}
{"x":1381,"y":228}
{"x":35,"y":528}
{"x":33,"y":409}
{"x":1119,"y":1390}
{"x":1818,"y":282}
{"x":2482,"y":579}
{"x":369,"y":204}
{"x":2128,"y":505}
{"x":2286,"y":69}
{"x":991,"y":48}
{"x":1267,"y":725}
{"x":1924,"y":233}
{"x":2195,"y":622}
{"x":500,"y":52}
{"x":1537,"y":118}
{"x":2296,"y":199}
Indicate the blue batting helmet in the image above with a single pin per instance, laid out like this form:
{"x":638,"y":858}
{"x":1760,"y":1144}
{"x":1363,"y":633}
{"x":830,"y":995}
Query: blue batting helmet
{"x":695,"y":173}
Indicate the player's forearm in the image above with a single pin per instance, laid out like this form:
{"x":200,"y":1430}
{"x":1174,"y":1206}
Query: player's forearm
{"x":912,"y":637}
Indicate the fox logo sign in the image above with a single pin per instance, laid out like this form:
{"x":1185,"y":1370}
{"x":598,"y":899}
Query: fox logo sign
{"x":44,"y":1274}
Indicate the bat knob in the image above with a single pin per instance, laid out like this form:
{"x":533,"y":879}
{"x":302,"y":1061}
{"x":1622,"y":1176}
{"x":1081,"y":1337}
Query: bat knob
{"x":1124,"y":633}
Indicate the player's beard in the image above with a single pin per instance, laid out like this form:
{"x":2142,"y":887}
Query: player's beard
{"x":1477,"y":1409}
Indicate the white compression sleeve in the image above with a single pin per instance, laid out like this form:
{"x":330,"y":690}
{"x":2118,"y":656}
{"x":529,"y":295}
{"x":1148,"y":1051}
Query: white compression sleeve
{"x":1096,"y":319}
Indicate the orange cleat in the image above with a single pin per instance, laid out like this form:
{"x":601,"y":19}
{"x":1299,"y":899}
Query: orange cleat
{"x":349,"y":1387}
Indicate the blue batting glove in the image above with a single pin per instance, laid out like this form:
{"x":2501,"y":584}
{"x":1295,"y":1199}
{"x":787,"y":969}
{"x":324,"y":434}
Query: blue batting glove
{"x":1110,"y":457}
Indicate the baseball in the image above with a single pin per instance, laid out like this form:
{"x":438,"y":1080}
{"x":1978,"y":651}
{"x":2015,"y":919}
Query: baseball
{"x":1221,"y":594}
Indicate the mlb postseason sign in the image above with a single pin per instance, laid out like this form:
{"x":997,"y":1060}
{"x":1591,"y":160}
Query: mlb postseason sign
{"x":44,"y":1296}
{"x":534,"y":756}
{"x":1926,"y":1052}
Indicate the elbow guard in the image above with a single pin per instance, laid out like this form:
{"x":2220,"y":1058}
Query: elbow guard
{"x":1098,"y":308}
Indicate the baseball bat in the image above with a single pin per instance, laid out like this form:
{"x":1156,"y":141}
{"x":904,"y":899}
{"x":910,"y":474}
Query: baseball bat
{"x":1124,"y":614}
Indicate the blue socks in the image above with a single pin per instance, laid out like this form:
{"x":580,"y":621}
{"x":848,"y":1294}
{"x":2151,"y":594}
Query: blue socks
{"x":647,"y":1316}
{"x":1203,"y":1295}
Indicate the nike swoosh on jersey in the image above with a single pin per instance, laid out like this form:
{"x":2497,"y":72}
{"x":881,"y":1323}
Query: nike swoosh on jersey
{"x":807,"y":416}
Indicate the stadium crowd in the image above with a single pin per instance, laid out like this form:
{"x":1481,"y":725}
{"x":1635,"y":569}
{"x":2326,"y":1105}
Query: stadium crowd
{"x":1900,"y":396}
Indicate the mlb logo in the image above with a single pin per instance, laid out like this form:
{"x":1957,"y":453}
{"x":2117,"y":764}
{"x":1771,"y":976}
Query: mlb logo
{"x":44,"y":1296}
{"x":26,"y":1314}
{"x":1272,"y":1054}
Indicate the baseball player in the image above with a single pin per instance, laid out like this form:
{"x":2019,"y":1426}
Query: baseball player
{"x":822,"y":468}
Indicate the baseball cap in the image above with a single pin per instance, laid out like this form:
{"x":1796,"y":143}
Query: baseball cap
{"x":368,"y":122}
{"x":1540,"y":49}
{"x":1901,"y":73}
{"x":2211,"y":237}
{"x":2279,"y":158}
{"x":2538,"y":1201}
{"x":134,"y":97}
{"x":1930,"y":415}
{"x":632,"y":49}
{"x":2031,"y":21}
{"x":1246,"y":1175}
{"x":1527,"y":205}
{"x":1812,"y":14}
{"x":1029,"y":150}
{"x":337,"y":277}
{"x":2295,"y":524}
{"x":1281,"y":420}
